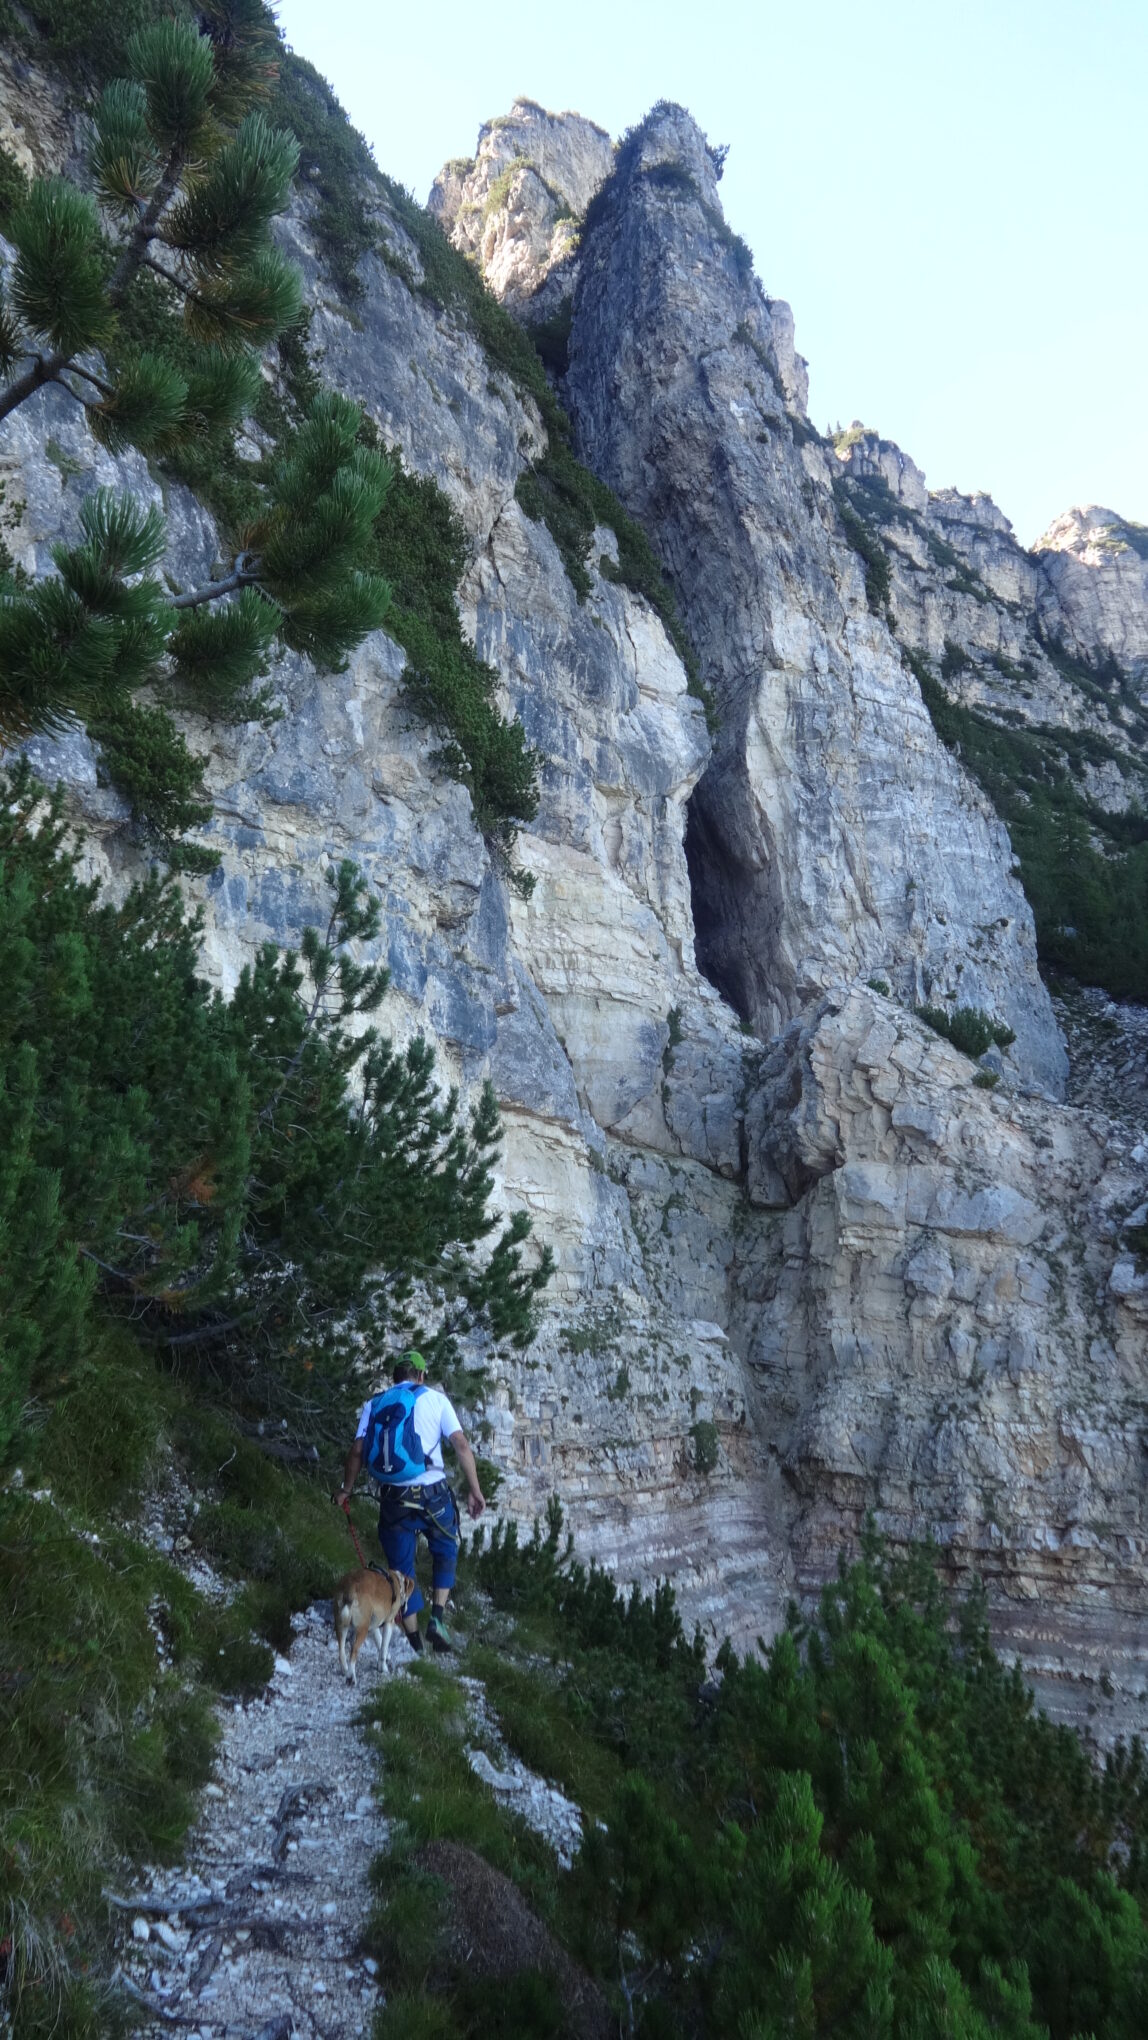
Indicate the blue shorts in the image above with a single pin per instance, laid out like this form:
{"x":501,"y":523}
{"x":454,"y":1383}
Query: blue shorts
{"x":432,"y":1511}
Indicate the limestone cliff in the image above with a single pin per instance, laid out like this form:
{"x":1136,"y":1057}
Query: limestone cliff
{"x":832,"y":834}
{"x":805,"y":1265}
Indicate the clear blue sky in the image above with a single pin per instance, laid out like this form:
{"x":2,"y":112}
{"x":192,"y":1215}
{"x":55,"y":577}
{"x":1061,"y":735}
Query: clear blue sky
{"x":951,"y":196}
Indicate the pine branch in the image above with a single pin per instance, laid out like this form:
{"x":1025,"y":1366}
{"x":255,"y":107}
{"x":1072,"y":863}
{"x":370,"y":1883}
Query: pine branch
{"x":241,"y":576}
{"x":145,"y":229}
{"x":73,"y":368}
{"x":45,"y":368}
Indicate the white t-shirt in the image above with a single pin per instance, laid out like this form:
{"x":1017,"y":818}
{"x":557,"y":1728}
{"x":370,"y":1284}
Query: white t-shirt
{"x":434,"y":1420}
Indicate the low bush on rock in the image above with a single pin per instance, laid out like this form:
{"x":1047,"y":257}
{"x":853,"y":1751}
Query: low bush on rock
{"x":863,"y":540}
{"x":969,"y":1028}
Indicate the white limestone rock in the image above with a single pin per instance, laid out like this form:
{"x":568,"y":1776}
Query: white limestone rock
{"x":832,"y":832}
{"x":935,"y":1312}
{"x":1096,"y":563}
{"x":514,"y":207}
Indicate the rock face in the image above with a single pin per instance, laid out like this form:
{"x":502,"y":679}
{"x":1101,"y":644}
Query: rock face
{"x":1050,"y":640}
{"x":1096,"y":564}
{"x":805,"y":1265}
{"x":949,"y":1309}
{"x":514,"y":207}
{"x":832,"y":834}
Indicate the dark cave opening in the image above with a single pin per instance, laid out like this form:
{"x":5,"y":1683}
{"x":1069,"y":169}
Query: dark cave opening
{"x":712,"y":898}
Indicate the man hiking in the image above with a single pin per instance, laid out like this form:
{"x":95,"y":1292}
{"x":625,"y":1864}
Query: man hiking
{"x":399,"y":1440}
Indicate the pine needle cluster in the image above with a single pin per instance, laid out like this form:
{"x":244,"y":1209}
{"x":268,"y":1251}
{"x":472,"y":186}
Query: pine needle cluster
{"x":188,"y":176}
{"x":74,"y":643}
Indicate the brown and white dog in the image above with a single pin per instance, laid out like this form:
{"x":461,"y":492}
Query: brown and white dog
{"x":368,"y":1603}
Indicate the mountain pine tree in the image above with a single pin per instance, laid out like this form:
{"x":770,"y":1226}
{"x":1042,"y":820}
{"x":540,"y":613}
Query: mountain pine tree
{"x":263,"y":1180}
{"x":192,"y":176}
{"x":44,"y":1290}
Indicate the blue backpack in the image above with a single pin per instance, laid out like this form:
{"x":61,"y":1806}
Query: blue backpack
{"x":392,"y":1449}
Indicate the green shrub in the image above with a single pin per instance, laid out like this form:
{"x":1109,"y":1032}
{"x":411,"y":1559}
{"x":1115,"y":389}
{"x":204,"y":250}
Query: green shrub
{"x":208,"y":1162}
{"x":987,"y":1080}
{"x":100,"y":1438}
{"x":105,"y":1745}
{"x":934,"y":1017}
{"x":13,"y":185}
{"x":744,"y":332}
{"x":670,"y":177}
{"x":942,"y":553}
{"x":148,"y":761}
{"x":705,"y":1437}
{"x":44,"y":1295}
{"x":955,"y":660}
{"x":421,"y":549}
{"x":103,"y":1749}
{"x":560,"y":493}
{"x":966,"y":581}
{"x":449,"y":281}
{"x":865,"y":543}
{"x":967,"y":1027}
{"x":501,"y":185}
{"x":337,"y":167}
{"x":1126,"y":532}
{"x":879,"y":985}
{"x":90,"y":34}
{"x":865,"y":1829}
{"x":1008,"y":668}
{"x":971,"y":1030}
{"x":1105,"y":684}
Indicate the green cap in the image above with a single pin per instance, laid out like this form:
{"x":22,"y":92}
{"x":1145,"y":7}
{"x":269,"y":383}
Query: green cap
{"x":416,"y":1361}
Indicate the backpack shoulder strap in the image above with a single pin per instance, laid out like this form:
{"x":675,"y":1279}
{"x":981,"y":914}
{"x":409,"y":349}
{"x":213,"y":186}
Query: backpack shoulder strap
{"x":399,"y":1392}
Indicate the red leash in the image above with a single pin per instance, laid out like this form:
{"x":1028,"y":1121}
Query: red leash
{"x":346,"y":1508}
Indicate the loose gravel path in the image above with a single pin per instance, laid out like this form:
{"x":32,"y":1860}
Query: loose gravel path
{"x":258,"y":1933}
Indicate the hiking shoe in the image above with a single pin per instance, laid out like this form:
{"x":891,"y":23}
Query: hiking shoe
{"x":438,"y":1635}
{"x":414,"y":1639}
